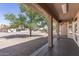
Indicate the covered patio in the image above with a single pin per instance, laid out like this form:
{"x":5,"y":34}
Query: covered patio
{"x":66,"y":41}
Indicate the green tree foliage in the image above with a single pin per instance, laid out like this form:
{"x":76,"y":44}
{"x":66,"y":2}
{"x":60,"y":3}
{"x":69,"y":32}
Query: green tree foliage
{"x":27,"y":18}
{"x":10,"y":17}
{"x":14,"y":21}
{"x":35,"y":19}
{"x":31,"y":15}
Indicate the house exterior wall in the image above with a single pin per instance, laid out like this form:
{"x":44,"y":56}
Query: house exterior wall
{"x":74,"y":33}
{"x":63,"y":29}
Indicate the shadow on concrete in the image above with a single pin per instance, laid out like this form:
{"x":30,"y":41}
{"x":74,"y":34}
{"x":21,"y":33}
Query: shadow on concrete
{"x":18,"y":36}
{"x":24,"y":49}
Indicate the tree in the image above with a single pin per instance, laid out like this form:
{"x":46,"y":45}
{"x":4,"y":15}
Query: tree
{"x":27,"y":18}
{"x":21,"y":20}
{"x":14,"y":21}
{"x":11,"y":18}
{"x":31,"y":15}
{"x":35,"y":19}
{"x":41,"y":21}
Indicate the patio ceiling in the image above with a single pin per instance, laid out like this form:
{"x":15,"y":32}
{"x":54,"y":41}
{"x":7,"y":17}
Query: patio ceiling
{"x":55,"y":9}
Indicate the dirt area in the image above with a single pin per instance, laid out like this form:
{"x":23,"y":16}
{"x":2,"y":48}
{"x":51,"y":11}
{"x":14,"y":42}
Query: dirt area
{"x":19,"y":43}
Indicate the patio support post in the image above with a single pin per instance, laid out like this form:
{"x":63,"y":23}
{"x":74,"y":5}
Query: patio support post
{"x":58,"y":25}
{"x":50,"y":32}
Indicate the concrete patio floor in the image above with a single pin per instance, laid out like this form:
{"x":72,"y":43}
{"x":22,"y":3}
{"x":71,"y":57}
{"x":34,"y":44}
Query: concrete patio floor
{"x":62,"y":47}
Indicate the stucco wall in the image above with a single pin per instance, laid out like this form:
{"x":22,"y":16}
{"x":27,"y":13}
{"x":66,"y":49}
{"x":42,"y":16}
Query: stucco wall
{"x":75,"y":29}
{"x":63,"y":29}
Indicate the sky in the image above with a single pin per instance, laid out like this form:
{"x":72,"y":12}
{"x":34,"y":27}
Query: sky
{"x":8,"y":8}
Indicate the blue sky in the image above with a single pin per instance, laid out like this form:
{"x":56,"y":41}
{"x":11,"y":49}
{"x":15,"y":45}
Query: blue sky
{"x":8,"y":8}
